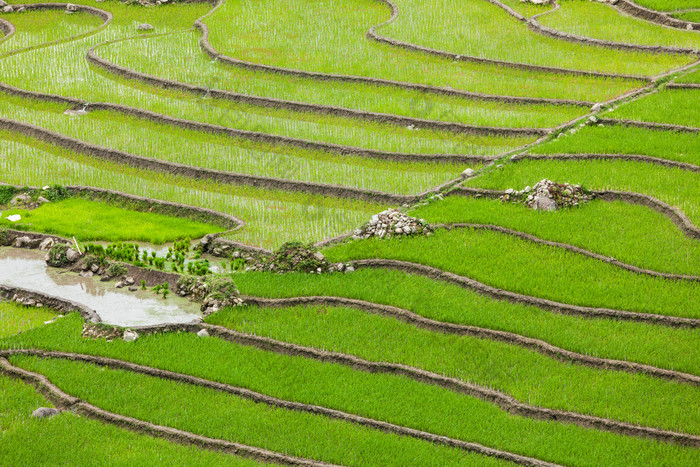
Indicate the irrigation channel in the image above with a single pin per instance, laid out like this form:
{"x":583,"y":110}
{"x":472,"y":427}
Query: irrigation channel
{"x":27,"y":269}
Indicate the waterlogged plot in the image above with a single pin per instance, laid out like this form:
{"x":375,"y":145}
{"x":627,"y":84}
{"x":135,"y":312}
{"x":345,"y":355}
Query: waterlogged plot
{"x":272,"y":217}
{"x":467,"y":28}
{"x":180,"y":58}
{"x":202,"y":150}
{"x":466,"y":302}
{"x":331,"y":38}
{"x":604,"y":22}
{"x":34,"y":28}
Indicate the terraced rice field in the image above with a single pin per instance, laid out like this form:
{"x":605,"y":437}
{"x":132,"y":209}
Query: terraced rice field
{"x":260,"y":143}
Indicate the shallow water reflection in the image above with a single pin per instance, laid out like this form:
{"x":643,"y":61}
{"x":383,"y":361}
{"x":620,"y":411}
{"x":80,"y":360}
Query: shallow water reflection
{"x":27,"y":269}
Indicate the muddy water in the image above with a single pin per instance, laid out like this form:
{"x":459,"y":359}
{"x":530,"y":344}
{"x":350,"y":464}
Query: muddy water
{"x":27,"y":269}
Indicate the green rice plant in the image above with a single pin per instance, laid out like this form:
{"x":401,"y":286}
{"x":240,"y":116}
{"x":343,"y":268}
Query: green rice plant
{"x":395,"y":399}
{"x":668,"y":5}
{"x":527,"y":9}
{"x":272,"y":217}
{"x":604,"y":22}
{"x":466,"y":28}
{"x":16,"y":318}
{"x":208,"y":151}
{"x":633,"y":234}
{"x":225,"y":416}
{"x":676,"y":187}
{"x":37,"y":27}
{"x":87,"y":83}
{"x":524,"y":267}
{"x":91,"y":220}
{"x":677,"y":106}
{"x":675,"y":146}
{"x":692,"y":77}
{"x":27,"y":441}
{"x":526,"y":375}
{"x":692,"y":16}
{"x":180,"y":59}
{"x":622,"y":340}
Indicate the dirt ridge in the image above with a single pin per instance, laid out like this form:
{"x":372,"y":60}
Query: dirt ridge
{"x":511,"y":338}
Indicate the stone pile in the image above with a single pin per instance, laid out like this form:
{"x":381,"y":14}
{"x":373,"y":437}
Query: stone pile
{"x":393,"y":223}
{"x":294,"y":257}
{"x":547,"y":195}
{"x":26,"y":301}
{"x":215,"y":292}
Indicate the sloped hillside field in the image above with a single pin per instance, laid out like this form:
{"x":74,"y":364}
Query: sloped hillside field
{"x":350,"y":232}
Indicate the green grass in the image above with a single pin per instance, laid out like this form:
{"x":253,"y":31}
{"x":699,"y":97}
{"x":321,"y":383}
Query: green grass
{"x":91,"y":220}
{"x":336,"y":32}
{"x":391,"y":398}
{"x":633,"y":234}
{"x":676,"y":146}
{"x":528,"y":376}
{"x":677,"y":106}
{"x":622,"y":340}
{"x":200,"y":149}
{"x":16,"y":318}
{"x":68,"y":439}
{"x":604,"y":22}
{"x":693,"y":77}
{"x":469,"y":28}
{"x":272,"y":217}
{"x":37,"y":27}
{"x":676,"y":187}
{"x":523,"y":267}
{"x":224,"y":416}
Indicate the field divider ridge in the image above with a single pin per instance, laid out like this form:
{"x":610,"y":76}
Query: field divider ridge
{"x":372,"y":34}
{"x":51,"y":301}
{"x":511,"y":338}
{"x":677,"y":216}
{"x":217,"y":176}
{"x":536,"y":27}
{"x":106,"y":17}
{"x":67,"y":402}
{"x":648,"y":125}
{"x":512,"y":297}
{"x":566,"y":246}
{"x":297,"y":106}
{"x":213,"y":53}
{"x":638,"y":11}
{"x":624,"y":157}
{"x":235,"y":133}
{"x":285,"y":404}
{"x":502,"y":400}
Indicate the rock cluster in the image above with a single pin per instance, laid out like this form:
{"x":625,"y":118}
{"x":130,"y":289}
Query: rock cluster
{"x":294,"y":257}
{"x":100,"y":331}
{"x":549,"y":196}
{"x":537,"y":2}
{"x":226,"y":249}
{"x":61,"y":255}
{"x":26,"y":301}
{"x":26,"y":201}
{"x":393,"y":223}
{"x":215,"y":292}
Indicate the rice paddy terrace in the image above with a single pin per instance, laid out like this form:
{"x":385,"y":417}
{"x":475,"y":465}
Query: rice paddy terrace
{"x":415,"y":232}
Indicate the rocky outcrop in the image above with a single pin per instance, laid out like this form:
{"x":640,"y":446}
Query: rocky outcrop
{"x":549,"y":196}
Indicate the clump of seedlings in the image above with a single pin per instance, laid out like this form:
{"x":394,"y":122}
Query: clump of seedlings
{"x":393,"y":223}
{"x":547,"y":195}
{"x":294,"y":257}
